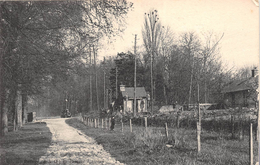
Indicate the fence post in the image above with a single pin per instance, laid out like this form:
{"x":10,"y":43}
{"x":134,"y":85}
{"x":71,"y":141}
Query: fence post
{"x":106,"y":123}
{"x":166,"y":130}
{"x":251,"y":145}
{"x":241,"y":129}
{"x":145,"y":123}
{"x":233,"y":126}
{"x":198,"y":128}
{"x":198,"y":136}
{"x":122,"y":124}
{"x":131,"y":130}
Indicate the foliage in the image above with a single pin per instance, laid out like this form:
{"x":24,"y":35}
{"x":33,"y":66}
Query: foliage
{"x":124,"y":64}
{"x":44,"y":42}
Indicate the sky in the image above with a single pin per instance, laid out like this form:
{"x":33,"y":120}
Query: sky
{"x":237,"y":19}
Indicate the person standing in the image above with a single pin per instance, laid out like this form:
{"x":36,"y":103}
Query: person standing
{"x":112,"y":123}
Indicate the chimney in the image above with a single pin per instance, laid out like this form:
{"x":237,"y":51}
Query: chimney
{"x":254,"y":72}
{"x":122,"y":88}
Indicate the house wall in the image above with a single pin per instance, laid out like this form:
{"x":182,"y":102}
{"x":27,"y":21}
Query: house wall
{"x":128,"y":105}
{"x":237,"y":99}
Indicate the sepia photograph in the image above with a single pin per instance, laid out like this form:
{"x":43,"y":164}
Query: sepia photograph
{"x":129,"y":82}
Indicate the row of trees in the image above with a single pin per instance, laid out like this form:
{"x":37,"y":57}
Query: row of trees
{"x":44,"y":45}
{"x":179,"y":65}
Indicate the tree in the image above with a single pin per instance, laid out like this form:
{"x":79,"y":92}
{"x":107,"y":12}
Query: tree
{"x":42,"y":41}
{"x":210,"y":59}
{"x":124,"y":65}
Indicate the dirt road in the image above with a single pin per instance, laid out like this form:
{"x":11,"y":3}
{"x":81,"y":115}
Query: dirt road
{"x":70,"y":146}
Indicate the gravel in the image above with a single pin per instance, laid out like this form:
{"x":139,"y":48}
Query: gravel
{"x":70,"y":146}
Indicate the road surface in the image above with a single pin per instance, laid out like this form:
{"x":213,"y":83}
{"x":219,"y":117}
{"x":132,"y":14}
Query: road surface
{"x":70,"y":146}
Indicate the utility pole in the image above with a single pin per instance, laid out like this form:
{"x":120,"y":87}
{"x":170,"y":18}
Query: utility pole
{"x":90,"y":80}
{"x":191,"y":78}
{"x":198,"y":122}
{"x":153,"y":20}
{"x":95,"y":53}
{"x":104,"y":82}
{"x":258,"y":119}
{"x":116,"y":82}
{"x":135,"y":79}
{"x":205,"y":84}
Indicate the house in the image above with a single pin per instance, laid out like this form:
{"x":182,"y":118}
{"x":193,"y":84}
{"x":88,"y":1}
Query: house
{"x":128,"y":99}
{"x":241,"y":93}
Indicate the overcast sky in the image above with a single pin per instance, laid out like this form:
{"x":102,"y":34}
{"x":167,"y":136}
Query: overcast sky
{"x":237,"y":19}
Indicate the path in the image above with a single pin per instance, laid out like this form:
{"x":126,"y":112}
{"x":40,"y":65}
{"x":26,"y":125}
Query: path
{"x":70,"y":146}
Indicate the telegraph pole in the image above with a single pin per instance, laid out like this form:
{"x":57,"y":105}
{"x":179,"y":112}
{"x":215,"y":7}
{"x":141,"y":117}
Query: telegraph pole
{"x":198,"y":122}
{"x":90,"y":79}
{"x":135,"y":79}
{"x":116,"y":82}
{"x":104,"y":83}
{"x":95,"y":53}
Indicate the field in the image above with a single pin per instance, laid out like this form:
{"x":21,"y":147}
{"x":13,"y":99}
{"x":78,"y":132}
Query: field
{"x":152,"y":147}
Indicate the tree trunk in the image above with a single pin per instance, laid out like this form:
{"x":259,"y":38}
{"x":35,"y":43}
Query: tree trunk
{"x":4,"y":121}
{"x":19,"y":110}
{"x":14,"y":110}
{"x":12,"y":100}
{"x":24,"y":108}
{"x":3,"y":110}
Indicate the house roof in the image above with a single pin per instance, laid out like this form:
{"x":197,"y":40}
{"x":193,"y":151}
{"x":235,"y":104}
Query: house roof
{"x":129,"y":91}
{"x":239,"y":85}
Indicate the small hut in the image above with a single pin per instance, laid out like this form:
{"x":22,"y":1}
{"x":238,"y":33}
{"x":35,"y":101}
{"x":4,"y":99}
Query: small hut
{"x":128,"y":99}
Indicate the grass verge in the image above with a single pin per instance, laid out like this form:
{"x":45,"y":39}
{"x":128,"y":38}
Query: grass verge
{"x":26,"y":145}
{"x":151,"y":147}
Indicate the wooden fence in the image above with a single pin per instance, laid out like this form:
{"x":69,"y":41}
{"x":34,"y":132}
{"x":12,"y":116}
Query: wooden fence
{"x":237,"y":126}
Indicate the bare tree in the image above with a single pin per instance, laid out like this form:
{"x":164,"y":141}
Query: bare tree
{"x":191,"y":46}
{"x":210,"y":58}
{"x":167,"y":40}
